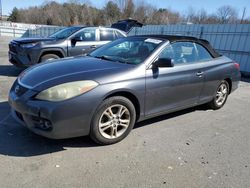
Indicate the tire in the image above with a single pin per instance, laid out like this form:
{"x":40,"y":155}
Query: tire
{"x":216,"y":104}
{"x":48,"y":57}
{"x":109,"y":128}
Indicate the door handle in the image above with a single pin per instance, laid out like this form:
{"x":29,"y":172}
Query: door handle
{"x":199,"y":73}
{"x":93,"y":46}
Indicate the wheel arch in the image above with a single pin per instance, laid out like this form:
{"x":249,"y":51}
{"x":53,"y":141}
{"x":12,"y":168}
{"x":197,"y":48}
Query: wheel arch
{"x":129,"y":95}
{"x":229,"y":81}
{"x":56,"y":51}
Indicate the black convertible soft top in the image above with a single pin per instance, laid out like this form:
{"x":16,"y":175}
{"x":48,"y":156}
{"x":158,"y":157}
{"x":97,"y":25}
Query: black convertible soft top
{"x":175,"y":38}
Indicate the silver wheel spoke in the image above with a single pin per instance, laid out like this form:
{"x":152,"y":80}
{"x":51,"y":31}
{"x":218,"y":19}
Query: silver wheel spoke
{"x":123,"y":125}
{"x":219,"y":92}
{"x":107,"y":127}
{"x":224,"y":91}
{"x":220,"y":99}
{"x":110,"y":112}
{"x":108,"y":115}
{"x":121,"y":111}
{"x":124,"y":120}
{"x":105,"y":124}
{"x":112,"y":132}
{"x":115,"y":132}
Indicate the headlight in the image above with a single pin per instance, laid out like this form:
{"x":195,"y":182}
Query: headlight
{"x":66,"y":91}
{"x":29,"y":45}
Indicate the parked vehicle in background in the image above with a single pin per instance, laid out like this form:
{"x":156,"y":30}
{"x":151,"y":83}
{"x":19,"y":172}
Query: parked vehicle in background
{"x":70,"y":41}
{"x":128,"y":80}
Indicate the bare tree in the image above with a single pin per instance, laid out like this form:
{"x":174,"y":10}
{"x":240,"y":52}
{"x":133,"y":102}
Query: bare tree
{"x":141,"y":12}
{"x":191,"y":14}
{"x":112,"y":12}
{"x":121,"y":4}
{"x":75,"y":12}
{"x":227,"y":14}
{"x":201,"y":16}
{"x":129,"y":9}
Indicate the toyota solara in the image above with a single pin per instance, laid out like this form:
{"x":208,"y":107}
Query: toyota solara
{"x":104,"y":93}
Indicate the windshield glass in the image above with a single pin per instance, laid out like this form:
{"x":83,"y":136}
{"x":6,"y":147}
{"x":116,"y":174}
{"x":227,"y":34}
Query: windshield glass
{"x":127,"y":50}
{"x":64,"y":33}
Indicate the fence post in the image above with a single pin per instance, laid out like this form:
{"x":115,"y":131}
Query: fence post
{"x":201,"y":33}
{"x":162,"y":30}
{"x":135,"y":30}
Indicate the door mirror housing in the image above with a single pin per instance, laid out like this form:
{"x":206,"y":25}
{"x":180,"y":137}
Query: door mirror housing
{"x":164,"y":62}
{"x":77,"y":39}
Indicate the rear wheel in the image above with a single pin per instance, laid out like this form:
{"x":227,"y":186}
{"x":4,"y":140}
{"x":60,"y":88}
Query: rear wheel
{"x":221,"y":95}
{"x":48,"y":57}
{"x":113,"y":121}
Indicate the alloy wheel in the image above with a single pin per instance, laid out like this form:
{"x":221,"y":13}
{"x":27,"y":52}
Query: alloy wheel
{"x":114,"y":121}
{"x":221,"y":94}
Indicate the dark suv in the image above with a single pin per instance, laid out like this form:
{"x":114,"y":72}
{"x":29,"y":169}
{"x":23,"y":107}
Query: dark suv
{"x":70,"y":41}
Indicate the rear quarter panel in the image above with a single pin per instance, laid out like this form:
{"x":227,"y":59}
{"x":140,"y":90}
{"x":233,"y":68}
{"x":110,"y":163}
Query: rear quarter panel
{"x":215,"y":71}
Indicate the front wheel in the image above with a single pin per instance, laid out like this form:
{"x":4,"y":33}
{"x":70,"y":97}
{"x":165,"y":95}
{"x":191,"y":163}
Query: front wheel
{"x":221,"y":95}
{"x":49,"y":57}
{"x":113,"y":121}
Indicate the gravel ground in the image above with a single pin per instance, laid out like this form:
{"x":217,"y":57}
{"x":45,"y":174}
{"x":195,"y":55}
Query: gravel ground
{"x":196,"y":147}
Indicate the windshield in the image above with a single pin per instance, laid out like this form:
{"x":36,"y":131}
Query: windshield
{"x":64,"y":33}
{"x":127,"y":50}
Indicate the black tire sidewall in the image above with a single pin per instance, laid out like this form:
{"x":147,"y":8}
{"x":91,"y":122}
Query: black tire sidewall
{"x":94,"y":129}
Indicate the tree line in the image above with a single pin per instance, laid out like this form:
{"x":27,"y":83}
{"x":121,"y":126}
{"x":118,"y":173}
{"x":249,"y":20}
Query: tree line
{"x":76,"y":12}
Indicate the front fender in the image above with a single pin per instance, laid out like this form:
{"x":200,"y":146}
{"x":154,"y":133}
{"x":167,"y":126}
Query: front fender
{"x":53,"y":51}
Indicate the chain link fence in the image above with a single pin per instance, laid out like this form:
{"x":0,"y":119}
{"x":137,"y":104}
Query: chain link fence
{"x":16,"y":30}
{"x":41,"y":32}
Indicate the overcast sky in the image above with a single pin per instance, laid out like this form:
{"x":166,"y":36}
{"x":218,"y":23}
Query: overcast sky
{"x":179,"y":5}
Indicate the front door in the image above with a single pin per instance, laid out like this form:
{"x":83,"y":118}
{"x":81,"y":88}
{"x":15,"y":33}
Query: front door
{"x":170,"y":88}
{"x":83,"y":42}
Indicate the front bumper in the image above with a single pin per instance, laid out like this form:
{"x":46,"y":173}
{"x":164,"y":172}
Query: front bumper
{"x":23,"y":57}
{"x":17,"y":60}
{"x":70,"y":118}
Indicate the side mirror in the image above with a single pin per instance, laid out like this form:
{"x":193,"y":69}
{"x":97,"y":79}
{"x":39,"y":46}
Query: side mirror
{"x":164,"y":62}
{"x":76,"y":39}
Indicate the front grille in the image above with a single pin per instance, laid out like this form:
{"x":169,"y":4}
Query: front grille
{"x":19,"y":89}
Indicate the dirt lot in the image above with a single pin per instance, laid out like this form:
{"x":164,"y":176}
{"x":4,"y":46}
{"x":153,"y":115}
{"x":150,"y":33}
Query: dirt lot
{"x":192,"y":148}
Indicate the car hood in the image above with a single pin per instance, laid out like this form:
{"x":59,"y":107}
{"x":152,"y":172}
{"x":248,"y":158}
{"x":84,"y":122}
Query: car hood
{"x":30,"y":40}
{"x":45,"y":75}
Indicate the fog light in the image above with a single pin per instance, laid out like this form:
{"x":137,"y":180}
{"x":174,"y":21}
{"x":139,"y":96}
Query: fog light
{"x":43,"y":124}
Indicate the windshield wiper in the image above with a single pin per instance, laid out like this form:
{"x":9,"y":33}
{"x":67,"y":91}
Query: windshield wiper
{"x":108,"y":58}
{"x":105,"y":57}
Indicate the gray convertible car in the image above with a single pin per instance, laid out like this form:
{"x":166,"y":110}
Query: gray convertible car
{"x":118,"y":84}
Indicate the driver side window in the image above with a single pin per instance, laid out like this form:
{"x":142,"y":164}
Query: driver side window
{"x":180,"y":53}
{"x":87,"y":35}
